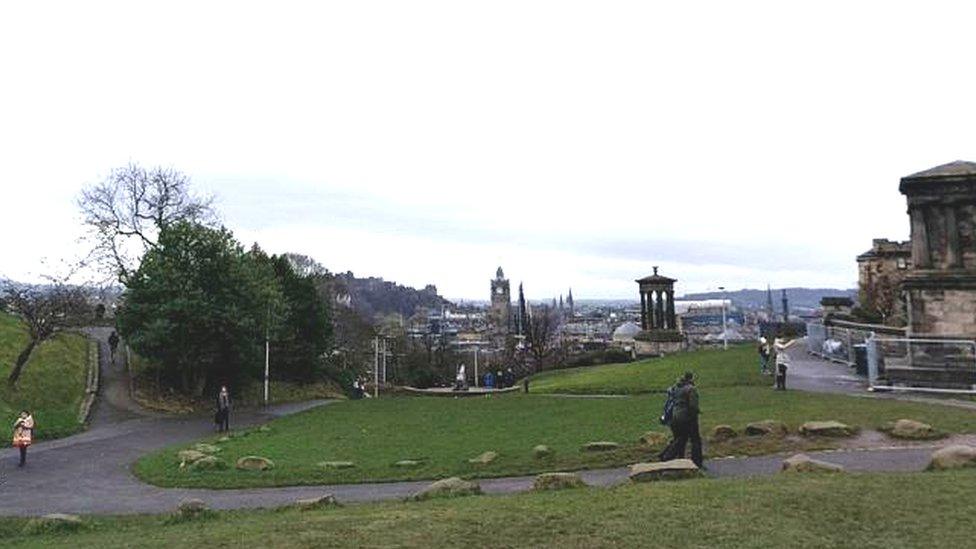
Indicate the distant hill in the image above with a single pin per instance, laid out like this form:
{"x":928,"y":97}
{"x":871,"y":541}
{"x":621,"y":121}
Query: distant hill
{"x":799,"y":298}
{"x":374,"y":296}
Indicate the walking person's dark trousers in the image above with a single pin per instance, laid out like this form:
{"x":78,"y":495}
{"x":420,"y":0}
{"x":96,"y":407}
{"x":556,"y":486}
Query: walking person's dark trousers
{"x":685,"y":431}
{"x":23,"y":455}
{"x":224,"y":420}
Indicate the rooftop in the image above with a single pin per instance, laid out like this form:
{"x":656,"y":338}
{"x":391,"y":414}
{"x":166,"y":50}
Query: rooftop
{"x":959,"y":168}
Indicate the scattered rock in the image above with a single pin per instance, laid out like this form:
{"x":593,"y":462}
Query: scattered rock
{"x":206,"y":448}
{"x":827,"y":429}
{"x":484,"y":459}
{"x":189,"y":456}
{"x":254,"y":463}
{"x":767,"y":427}
{"x":223,"y":439}
{"x":542,"y":451}
{"x":653,"y":438}
{"x":557,"y":481}
{"x":407,"y":463}
{"x":911,"y":430}
{"x":953,"y":457}
{"x":447,"y":488}
{"x":802,"y":463}
{"x":264,"y":429}
{"x":328,"y":500}
{"x":56,"y":522}
{"x":602,"y":446}
{"x":207,"y":463}
{"x":190,"y":508}
{"x":664,"y":470}
{"x":337,"y":464}
{"x":721,"y":433}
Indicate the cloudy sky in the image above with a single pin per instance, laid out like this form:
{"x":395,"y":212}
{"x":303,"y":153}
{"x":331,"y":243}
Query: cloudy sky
{"x":577,"y":144}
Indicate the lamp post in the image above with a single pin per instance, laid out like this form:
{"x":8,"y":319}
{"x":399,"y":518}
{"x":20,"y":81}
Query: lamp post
{"x":725,"y":335}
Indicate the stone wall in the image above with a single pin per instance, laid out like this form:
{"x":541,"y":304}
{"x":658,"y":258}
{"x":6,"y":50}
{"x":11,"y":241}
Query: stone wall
{"x":943,"y":312}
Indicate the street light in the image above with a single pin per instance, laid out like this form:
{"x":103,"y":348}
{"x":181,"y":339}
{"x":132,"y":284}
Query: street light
{"x":725,"y":325}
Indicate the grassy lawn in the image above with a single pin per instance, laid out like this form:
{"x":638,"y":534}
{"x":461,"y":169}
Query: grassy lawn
{"x":52,"y":383}
{"x":890,"y":511}
{"x":715,"y":368}
{"x":444,"y":433}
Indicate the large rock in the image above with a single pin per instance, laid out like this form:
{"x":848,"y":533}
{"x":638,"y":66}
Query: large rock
{"x":206,"y":448}
{"x":254,"y":463}
{"x":769,"y":427}
{"x":910,"y":429}
{"x":802,"y":463}
{"x":953,"y":457}
{"x":542,"y":452}
{"x":207,"y":463}
{"x":191,"y":508}
{"x":447,"y":488}
{"x":826,"y":429}
{"x":336,"y":464}
{"x":664,"y":470}
{"x":653,"y":438}
{"x":187,"y":457}
{"x":557,"y":481}
{"x":721,"y":433}
{"x":484,"y":459}
{"x":601,"y":446}
{"x":56,"y":522}
{"x":308,"y":504}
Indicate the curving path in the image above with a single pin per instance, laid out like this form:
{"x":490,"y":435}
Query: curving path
{"x":89,"y":473}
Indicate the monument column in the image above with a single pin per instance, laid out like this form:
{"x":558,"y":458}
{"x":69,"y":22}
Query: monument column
{"x":920,"y":239}
{"x":643,"y":310}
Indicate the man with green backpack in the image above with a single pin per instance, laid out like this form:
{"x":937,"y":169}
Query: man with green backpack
{"x":681,"y":414}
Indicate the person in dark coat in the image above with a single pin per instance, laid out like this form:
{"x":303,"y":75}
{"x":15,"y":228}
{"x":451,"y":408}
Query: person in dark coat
{"x":684,"y":425}
{"x":223,"y":409}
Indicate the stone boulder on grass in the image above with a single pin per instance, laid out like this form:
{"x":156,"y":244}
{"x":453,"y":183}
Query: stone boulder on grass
{"x":721,"y":433}
{"x":953,"y":457}
{"x":557,"y":481}
{"x":190,"y":508}
{"x":675,"y":469}
{"x":834,"y":429}
{"x":407,"y":464}
{"x":600,"y":446}
{"x":254,"y":463}
{"x":909,"y":429}
{"x":447,"y":488}
{"x":653,"y":438}
{"x":207,"y":463}
{"x":484,"y":459}
{"x":187,"y":457}
{"x":542,"y":452}
{"x":802,"y":463}
{"x":336,"y":464}
{"x":309,"y":504}
{"x":769,"y":427}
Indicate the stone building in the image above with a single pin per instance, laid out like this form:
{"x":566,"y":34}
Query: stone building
{"x":500,"y":312}
{"x":660,"y":332}
{"x":941,"y":286}
{"x":880,"y":273}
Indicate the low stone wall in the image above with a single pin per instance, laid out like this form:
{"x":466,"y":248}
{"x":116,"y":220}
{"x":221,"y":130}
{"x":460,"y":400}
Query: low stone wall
{"x":92,"y":381}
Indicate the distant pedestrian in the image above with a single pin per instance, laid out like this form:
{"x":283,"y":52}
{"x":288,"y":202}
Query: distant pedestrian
{"x":23,"y":434}
{"x":489,"y":380}
{"x":113,"y":343}
{"x":763,"y":349}
{"x":684,"y":424}
{"x":460,"y":379}
{"x":509,"y":378}
{"x":499,"y":380}
{"x":782,"y":362}
{"x":223,"y":410}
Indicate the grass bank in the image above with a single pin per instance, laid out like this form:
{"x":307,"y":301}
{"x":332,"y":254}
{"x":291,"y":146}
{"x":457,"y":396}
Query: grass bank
{"x":443,"y":433}
{"x":52,"y":384}
{"x":715,"y":368}
{"x":904,"y":510}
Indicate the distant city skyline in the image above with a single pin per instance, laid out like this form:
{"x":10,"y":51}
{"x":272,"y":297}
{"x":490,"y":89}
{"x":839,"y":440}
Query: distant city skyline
{"x":576,"y":145}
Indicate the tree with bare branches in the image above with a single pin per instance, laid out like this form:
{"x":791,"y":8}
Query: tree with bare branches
{"x":126,"y":211}
{"x":540,"y":334}
{"x":44,"y":311}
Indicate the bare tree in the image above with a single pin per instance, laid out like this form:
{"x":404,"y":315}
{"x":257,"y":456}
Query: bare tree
{"x":44,"y":311}
{"x":126,"y":211}
{"x":540,"y":334}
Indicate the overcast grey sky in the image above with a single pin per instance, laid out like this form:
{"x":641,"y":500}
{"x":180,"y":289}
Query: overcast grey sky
{"x":573,"y":143}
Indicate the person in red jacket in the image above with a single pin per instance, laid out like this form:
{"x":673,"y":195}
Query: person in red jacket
{"x":24,"y":434}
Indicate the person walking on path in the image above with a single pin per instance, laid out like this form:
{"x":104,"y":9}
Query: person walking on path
{"x":113,"y":344}
{"x":223,"y":409}
{"x":684,"y":425}
{"x":763,"y":355}
{"x":782,"y":362}
{"x":23,"y":434}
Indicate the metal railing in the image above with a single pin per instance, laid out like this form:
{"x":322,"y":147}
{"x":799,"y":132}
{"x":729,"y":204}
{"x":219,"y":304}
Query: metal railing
{"x":835,"y":343}
{"x":918,"y":364}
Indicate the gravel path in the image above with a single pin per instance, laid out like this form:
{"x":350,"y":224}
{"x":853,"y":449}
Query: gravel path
{"x":89,"y":473}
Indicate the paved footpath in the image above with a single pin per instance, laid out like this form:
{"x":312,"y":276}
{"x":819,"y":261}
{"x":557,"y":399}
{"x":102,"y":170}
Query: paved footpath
{"x":89,"y":473}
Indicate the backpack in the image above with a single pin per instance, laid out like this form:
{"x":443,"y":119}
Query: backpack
{"x":668,"y":414}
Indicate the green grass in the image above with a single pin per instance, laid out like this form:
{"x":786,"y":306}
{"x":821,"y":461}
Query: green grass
{"x":715,"y":368}
{"x":52,"y":384}
{"x":884,"y":511}
{"x":446,"y":432}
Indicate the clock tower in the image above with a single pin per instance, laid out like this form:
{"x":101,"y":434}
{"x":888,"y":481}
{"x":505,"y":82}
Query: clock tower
{"x":500,"y":313}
